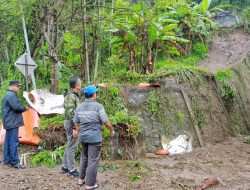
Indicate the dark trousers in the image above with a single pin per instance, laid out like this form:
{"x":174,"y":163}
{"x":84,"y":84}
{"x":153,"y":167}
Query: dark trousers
{"x":11,"y":147}
{"x":89,"y":162}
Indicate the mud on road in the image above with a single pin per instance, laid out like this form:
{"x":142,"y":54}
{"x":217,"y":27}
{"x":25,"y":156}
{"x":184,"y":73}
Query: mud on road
{"x":228,"y":161}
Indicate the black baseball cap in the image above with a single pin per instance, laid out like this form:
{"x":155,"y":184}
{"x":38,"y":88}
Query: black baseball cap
{"x":14,"y":82}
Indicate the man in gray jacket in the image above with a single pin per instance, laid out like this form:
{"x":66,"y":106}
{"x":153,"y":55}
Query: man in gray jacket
{"x":12,"y":120}
{"x":89,"y":118}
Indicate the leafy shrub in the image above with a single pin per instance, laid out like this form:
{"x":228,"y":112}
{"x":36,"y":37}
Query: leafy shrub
{"x":111,"y":99}
{"x":48,"y":158}
{"x":51,"y":120}
{"x":247,"y":140}
{"x":110,"y":67}
{"x":137,"y":170}
{"x":227,"y":91}
{"x":246,"y":16}
{"x":200,"y":49}
{"x":132,"y":121}
{"x":224,"y":75}
{"x":128,"y":77}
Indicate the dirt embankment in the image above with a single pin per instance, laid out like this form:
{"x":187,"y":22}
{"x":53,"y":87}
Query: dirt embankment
{"x":226,"y":51}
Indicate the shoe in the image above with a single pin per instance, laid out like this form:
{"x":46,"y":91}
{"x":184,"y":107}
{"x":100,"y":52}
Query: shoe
{"x":18,"y":166}
{"x":94,"y":187}
{"x":64,"y":170}
{"x":73,"y":173}
{"x":81,"y":184}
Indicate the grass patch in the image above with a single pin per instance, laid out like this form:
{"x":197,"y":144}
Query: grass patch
{"x":133,"y":170}
{"x":108,"y":166}
{"x":132,"y":121}
{"x":182,"y":72}
{"x":48,"y":158}
{"x":247,"y":140}
{"x":50,"y":121}
{"x":137,"y":170}
{"x":200,"y":50}
{"x":227,"y":91}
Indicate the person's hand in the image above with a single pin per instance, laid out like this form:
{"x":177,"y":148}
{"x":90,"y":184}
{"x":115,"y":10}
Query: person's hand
{"x":75,"y":133}
{"x":112,"y":133}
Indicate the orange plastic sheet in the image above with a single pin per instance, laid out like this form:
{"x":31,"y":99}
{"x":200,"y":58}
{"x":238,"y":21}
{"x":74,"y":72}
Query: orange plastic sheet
{"x":26,"y":133}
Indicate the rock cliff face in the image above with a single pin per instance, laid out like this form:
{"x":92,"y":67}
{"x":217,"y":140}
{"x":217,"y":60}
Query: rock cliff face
{"x":171,"y":109}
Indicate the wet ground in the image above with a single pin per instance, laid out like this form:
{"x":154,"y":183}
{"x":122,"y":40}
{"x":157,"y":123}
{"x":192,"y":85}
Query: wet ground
{"x":229,"y":162}
{"x":226,"y":51}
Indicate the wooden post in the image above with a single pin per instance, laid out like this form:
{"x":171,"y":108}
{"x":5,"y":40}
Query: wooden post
{"x":196,"y":128}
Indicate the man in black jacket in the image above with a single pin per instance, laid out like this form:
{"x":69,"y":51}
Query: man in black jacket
{"x":12,"y":120}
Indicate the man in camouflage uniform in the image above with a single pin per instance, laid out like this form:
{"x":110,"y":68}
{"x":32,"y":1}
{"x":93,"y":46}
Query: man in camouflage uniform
{"x":71,"y":101}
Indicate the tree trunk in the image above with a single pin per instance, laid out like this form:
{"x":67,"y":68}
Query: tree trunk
{"x":43,"y":52}
{"x":7,"y":53}
{"x":54,"y":75}
{"x":155,"y":57}
{"x":52,"y":53}
{"x":1,"y":80}
{"x":110,"y":44}
{"x":143,"y":36}
{"x":149,"y":60}
{"x":49,"y":22}
{"x":98,"y":45}
{"x":86,"y":43}
{"x":132,"y":57}
{"x":83,"y":67}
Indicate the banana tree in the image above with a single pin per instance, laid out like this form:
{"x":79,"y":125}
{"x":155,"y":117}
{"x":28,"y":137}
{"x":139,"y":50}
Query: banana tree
{"x":194,"y":21}
{"x":143,"y":33}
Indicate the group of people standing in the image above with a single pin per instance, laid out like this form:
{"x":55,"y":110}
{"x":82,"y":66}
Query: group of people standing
{"x":83,"y":124}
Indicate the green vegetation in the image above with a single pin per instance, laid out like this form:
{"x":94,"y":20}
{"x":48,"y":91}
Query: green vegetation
{"x":182,"y":72}
{"x":111,"y":98}
{"x":227,"y":91}
{"x":246,"y":16}
{"x":200,"y":49}
{"x":115,"y":107}
{"x":120,"y":42}
{"x":247,"y":140}
{"x":48,"y":158}
{"x":133,"y":170}
{"x":107,"y":166}
{"x":137,"y":170}
{"x":157,"y":109}
{"x":132,"y":121}
{"x":154,"y":104}
{"x":51,"y":121}
{"x":199,"y":116}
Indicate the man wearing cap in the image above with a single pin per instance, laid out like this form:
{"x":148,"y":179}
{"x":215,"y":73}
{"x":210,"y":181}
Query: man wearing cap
{"x":71,"y":101}
{"x":89,"y":118}
{"x":12,"y":120}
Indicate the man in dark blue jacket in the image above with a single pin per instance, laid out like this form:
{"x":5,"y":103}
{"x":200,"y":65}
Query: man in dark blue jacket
{"x":12,"y":120}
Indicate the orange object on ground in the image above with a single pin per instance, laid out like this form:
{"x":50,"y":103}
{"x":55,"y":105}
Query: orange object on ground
{"x":209,"y":183}
{"x":2,"y":133}
{"x":161,"y":152}
{"x":26,"y":133}
{"x":144,"y":85}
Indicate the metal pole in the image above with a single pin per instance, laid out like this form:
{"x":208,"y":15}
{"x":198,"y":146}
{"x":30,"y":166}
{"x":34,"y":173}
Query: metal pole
{"x":26,"y":72}
{"x":27,"y":45}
